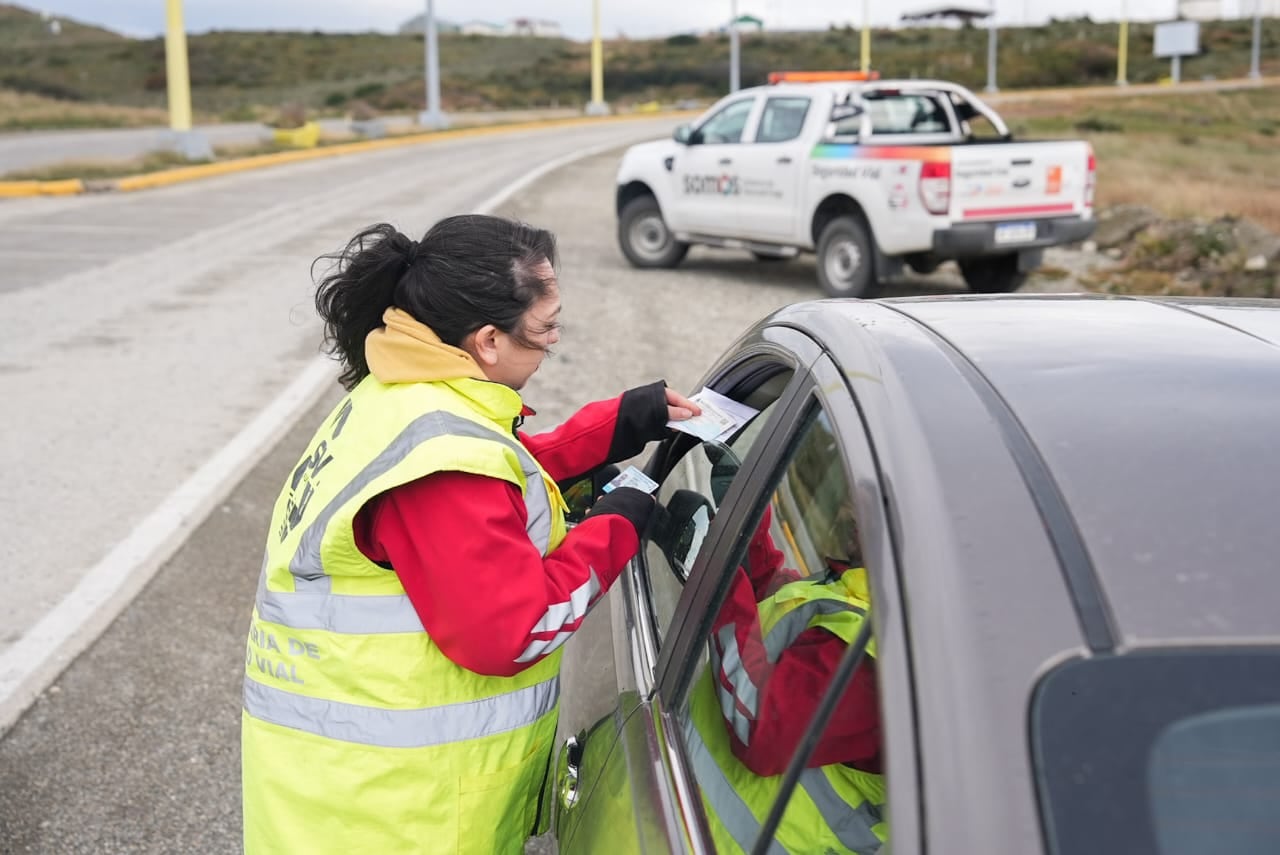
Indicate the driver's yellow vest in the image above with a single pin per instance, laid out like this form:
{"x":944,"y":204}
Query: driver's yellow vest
{"x":834,"y":808}
{"x":358,"y":734}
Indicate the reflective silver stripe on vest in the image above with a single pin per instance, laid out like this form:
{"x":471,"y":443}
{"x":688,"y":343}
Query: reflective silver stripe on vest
{"x":723,"y":800}
{"x":414,"y":728}
{"x":851,"y":826}
{"x":313,"y":606}
{"x":560,"y":614}
{"x":742,"y":690}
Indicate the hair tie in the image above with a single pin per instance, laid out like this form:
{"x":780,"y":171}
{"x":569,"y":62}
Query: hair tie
{"x":412,"y":255}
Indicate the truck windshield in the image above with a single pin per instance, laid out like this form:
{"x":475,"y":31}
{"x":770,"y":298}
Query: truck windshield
{"x":1160,"y":753}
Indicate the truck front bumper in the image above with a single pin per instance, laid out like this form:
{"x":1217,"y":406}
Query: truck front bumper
{"x":970,"y":239}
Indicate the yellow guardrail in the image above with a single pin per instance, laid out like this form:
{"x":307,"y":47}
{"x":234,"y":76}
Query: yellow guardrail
{"x":146,"y":181}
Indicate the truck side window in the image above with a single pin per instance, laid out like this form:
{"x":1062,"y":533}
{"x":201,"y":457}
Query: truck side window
{"x":783,"y":119}
{"x":907,"y":114}
{"x":726,"y":126}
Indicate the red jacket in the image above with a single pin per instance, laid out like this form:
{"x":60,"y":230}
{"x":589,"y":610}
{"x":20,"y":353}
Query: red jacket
{"x":791,"y":688}
{"x":458,"y":543}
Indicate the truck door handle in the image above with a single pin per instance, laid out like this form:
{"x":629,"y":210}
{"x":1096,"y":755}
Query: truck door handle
{"x":784,"y":159}
{"x":725,"y":161}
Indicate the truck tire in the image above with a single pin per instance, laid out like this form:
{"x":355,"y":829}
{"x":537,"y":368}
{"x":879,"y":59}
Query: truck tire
{"x":644,"y":237}
{"x":846,"y":258}
{"x":996,"y":274}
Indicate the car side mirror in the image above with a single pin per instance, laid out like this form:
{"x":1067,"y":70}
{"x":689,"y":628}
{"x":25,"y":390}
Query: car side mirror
{"x":685,"y":135}
{"x":580,"y":495}
{"x":680,"y":528}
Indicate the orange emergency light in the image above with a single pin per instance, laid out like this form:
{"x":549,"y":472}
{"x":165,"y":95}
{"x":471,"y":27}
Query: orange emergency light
{"x":820,"y":76}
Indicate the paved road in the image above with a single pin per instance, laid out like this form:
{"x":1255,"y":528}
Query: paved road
{"x":23,"y":150}
{"x":139,"y":334}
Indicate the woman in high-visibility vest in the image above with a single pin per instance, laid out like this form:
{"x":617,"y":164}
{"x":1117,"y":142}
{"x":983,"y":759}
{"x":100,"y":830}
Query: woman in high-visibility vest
{"x":402,"y":666}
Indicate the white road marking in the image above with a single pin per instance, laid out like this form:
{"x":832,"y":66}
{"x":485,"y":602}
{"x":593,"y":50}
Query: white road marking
{"x":36,"y":659}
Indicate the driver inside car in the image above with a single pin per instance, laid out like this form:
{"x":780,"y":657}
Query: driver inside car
{"x":776,"y":642}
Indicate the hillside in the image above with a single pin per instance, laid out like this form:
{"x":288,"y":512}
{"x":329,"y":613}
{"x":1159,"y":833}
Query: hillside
{"x":240,"y":75}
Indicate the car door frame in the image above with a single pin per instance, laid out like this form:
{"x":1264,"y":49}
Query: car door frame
{"x":657,"y":779}
{"x":824,"y":381}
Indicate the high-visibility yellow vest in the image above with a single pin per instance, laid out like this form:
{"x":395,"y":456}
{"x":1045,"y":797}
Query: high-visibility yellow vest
{"x":834,"y":808}
{"x":358,"y":734}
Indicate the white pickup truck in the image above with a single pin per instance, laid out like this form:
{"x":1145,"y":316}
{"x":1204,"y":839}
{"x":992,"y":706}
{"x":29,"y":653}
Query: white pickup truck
{"x":870,"y":175}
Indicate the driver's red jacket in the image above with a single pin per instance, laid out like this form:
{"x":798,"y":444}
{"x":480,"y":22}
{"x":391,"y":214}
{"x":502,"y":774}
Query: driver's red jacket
{"x":791,"y":688}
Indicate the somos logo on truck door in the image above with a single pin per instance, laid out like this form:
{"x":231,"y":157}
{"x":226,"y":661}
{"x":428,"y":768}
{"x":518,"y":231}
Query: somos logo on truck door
{"x":718,"y":185}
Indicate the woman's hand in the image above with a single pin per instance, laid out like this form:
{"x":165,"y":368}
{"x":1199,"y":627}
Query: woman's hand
{"x":679,"y":407}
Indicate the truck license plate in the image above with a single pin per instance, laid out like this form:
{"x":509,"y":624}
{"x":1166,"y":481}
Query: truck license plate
{"x":1015,"y":233}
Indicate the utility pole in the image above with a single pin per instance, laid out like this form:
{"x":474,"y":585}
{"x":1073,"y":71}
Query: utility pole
{"x":866,"y":36}
{"x":189,"y":143}
{"x":1255,"y":55}
{"x":991,"y":51}
{"x":597,"y":106}
{"x":1122,"y":52}
{"x":734,"y":47}
{"x":431,"y":117}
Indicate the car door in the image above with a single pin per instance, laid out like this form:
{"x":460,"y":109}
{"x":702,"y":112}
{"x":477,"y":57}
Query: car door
{"x":800,"y":497}
{"x":611,"y":794}
{"x":771,"y":167}
{"x":708,"y":185}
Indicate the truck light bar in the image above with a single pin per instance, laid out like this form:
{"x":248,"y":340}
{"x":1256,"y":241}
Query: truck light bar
{"x":820,"y":76}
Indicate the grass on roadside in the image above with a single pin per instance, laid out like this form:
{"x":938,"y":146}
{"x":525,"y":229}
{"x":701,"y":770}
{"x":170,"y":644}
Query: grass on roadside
{"x":1201,"y":155}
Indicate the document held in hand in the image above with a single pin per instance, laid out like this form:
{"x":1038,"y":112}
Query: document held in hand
{"x":721,"y":417}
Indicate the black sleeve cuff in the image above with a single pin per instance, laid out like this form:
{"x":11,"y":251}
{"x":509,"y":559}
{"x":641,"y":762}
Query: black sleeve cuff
{"x":635,"y":505}
{"x":642,"y":418}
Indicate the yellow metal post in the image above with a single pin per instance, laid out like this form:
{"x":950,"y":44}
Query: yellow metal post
{"x":1122,"y":52}
{"x":597,"y":55}
{"x":178,"y":81}
{"x":866,"y":36}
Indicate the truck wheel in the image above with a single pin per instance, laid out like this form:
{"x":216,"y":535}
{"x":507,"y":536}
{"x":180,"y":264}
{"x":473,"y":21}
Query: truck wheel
{"x":846,"y":260}
{"x":993,"y":274}
{"x":644,"y":237}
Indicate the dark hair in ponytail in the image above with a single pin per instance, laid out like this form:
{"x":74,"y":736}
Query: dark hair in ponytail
{"x":467,"y":271}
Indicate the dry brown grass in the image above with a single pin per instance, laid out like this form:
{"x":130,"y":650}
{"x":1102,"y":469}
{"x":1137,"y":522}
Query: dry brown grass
{"x":1197,"y":154}
{"x":21,"y":111}
{"x":1193,"y":178}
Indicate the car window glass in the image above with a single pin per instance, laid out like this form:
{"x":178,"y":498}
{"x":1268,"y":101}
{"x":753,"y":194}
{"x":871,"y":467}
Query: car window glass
{"x":688,"y":498}
{"x":907,"y":114}
{"x":726,"y":126}
{"x":796,"y":596}
{"x":782,"y":120}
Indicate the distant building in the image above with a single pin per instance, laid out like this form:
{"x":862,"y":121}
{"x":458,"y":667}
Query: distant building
{"x":515,"y":27}
{"x":481,"y":28}
{"x":1200,"y":10}
{"x":532,"y":27}
{"x":414,"y":25}
{"x":946,"y":16}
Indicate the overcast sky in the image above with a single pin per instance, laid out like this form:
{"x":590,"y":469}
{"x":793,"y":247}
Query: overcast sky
{"x":635,"y":18}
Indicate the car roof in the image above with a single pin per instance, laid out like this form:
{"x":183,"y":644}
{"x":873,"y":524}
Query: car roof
{"x":1150,"y":424}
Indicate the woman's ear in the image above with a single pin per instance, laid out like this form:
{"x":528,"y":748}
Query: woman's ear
{"x":483,"y":345}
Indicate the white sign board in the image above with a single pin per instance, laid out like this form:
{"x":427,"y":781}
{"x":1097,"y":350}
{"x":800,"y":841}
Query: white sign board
{"x":1177,"y":38}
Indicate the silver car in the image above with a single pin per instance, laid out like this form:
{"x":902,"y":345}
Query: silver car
{"x":1068,"y":512}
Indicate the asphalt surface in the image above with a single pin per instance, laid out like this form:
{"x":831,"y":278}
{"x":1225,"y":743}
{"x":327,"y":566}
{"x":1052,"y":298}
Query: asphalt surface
{"x":25,"y":150}
{"x":135,"y":747}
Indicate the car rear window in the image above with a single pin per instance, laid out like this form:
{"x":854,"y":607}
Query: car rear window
{"x":1169,"y":753}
